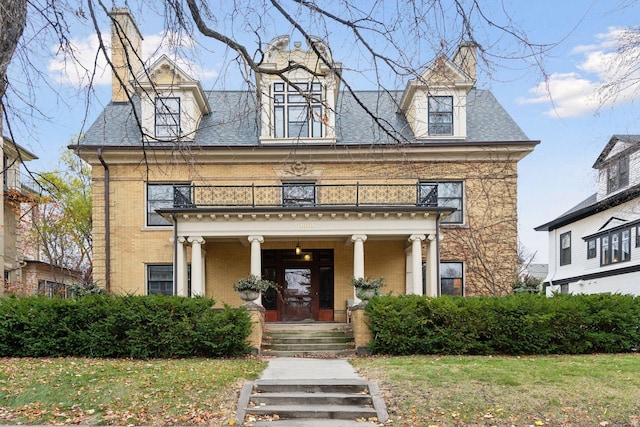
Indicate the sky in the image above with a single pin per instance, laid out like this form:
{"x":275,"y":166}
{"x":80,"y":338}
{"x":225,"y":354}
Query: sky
{"x":563,"y":111}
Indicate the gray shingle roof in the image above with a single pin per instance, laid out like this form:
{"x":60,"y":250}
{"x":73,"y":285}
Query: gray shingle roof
{"x":234,"y":121}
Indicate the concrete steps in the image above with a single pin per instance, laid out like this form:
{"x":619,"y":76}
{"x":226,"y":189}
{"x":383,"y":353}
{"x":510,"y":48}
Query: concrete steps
{"x":348,"y":402}
{"x":308,"y":339}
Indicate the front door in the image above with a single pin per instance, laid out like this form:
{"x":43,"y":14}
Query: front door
{"x":305,"y":285}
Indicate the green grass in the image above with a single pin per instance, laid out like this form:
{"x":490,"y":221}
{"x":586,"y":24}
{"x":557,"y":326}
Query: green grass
{"x":122,"y":392}
{"x":594,"y":390}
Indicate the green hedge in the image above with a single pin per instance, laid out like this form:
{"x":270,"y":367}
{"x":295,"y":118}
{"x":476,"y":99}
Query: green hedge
{"x":517,"y":324}
{"x":121,"y":326}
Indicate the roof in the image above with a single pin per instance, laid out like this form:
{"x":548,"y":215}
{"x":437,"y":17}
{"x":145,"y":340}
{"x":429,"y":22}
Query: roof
{"x":234,"y":121}
{"x":590,"y":206}
{"x":631,"y":139}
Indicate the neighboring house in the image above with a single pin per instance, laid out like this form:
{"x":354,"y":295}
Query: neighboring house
{"x":299,"y":184}
{"x":595,"y":246}
{"x":535,"y":270}
{"x":24,"y":273}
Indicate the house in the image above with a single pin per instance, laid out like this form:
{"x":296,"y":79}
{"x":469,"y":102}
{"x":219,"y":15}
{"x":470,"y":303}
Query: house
{"x":594,"y":247}
{"x":25,"y":273}
{"x":302,"y":182}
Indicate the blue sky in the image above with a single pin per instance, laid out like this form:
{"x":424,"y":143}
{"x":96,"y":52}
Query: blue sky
{"x":572,"y":127}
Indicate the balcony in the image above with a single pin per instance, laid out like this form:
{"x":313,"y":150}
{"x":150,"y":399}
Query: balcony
{"x":309,"y":195}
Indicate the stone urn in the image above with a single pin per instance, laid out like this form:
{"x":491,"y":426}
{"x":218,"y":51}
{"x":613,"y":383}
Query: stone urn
{"x":249,"y":295}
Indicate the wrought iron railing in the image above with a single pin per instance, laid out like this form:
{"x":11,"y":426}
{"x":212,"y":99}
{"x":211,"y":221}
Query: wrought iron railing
{"x":305,"y":194}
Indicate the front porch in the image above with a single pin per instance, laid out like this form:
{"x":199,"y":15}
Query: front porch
{"x":335,"y":227}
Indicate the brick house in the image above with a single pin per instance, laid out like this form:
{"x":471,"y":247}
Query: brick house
{"x":302,"y":182}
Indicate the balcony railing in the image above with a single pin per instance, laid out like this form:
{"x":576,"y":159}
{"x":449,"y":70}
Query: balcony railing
{"x":305,"y":195}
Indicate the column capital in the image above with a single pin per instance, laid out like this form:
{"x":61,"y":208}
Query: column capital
{"x":182,"y":239}
{"x":432,"y":237}
{"x":359,"y":238}
{"x":255,"y":238}
{"x":196,"y":239}
{"x":418,"y":237}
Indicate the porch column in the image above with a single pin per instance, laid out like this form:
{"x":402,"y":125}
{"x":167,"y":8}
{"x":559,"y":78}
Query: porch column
{"x":197,"y":266}
{"x":358,"y":260}
{"x":256,"y":260}
{"x":182,"y":288}
{"x":432,"y":266}
{"x":416,"y":262}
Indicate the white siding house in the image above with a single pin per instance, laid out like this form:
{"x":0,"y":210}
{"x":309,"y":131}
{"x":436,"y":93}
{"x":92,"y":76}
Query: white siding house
{"x":595,"y":246}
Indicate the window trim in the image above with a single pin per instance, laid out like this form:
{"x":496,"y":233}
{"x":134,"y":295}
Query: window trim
{"x":564,"y":258}
{"x":148,"y":276}
{"x":592,"y":252}
{"x":173,"y":130}
{"x":444,"y":221}
{"x":462,"y":281}
{"x":607,"y":253}
{"x":149,"y":213}
{"x":285,"y":98}
{"x":621,"y":178}
{"x":432,"y":124}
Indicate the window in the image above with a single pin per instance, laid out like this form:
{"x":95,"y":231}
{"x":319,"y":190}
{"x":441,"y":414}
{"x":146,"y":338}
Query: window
{"x":52,"y":289}
{"x":615,"y":247}
{"x":297,"y":112}
{"x":565,"y":248}
{"x":299,"y":194}
{"x":618,"y":174}
{"x":160,"y":279}
{"x":451,"y":280}
{"x":165,"y":196}
{"x":443,"y":194}
{"x":167,"y":117}
{"x":591,"y":248}
{"x":440,"y":115}
{"x":637,"y":237}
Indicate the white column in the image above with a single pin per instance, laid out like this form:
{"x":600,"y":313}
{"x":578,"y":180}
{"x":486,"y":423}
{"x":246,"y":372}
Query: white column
{"x":256,"y":260}
{"x":358,"y":260}
{"x":181,"y":268}
{"x":197,"y":266}
{"x":432,"y":266}
{"x":416,"y":262}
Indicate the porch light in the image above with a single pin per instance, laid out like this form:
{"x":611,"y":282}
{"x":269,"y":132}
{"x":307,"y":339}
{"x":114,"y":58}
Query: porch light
{"x":298,"y":249}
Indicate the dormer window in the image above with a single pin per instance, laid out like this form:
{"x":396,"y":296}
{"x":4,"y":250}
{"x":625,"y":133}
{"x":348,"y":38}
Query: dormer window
{"x":618,"y":174}
{"x":441,"y":115}
{"x":167,"y":114}
{"x":297,"y":111}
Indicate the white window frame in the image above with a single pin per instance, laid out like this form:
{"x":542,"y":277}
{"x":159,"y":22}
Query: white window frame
{"x":304,"y":103}
{"x":167,"y":117}
{"x":440,"y":108}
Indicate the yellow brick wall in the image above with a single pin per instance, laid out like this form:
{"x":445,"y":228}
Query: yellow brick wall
{"x":490,"y":223}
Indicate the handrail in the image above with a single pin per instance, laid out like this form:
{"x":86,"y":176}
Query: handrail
{"x":306,"y":194}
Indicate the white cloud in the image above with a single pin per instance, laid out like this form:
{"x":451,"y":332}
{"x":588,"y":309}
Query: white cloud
{"x":598,"y":81}
{"x":75,"y":66}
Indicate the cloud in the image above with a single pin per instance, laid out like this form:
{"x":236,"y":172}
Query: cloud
{"x":83,"y":64}
{"x":608,"y":75}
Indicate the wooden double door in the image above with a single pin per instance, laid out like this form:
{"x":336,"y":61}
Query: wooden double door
{"x":305,"y":285}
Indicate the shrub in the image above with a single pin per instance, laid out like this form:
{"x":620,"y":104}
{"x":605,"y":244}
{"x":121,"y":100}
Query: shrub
{"x":516,"y":324}
{"x":121,"y":326}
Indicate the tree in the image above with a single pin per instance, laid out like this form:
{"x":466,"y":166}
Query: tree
{"x":58,"y":223}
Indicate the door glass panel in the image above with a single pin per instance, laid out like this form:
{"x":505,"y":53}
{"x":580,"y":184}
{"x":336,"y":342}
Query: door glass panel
{"x":270,"y":298}
{"x":326,"y":287}
{"x":298,"y":298}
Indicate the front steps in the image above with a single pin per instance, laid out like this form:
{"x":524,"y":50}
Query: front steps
{"x":308,"y":339}
{"x":331,"y":402}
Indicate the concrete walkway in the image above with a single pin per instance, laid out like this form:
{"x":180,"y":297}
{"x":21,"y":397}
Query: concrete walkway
{"x":312,"y":371}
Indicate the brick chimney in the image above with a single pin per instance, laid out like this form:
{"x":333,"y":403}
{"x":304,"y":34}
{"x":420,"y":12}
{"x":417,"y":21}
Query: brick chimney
{"x":126,"y":49}
{"x":465,"y":58}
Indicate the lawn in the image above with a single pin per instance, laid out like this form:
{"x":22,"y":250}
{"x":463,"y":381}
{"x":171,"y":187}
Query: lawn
{"x":592,"y":390}
{"x":122,"y":392}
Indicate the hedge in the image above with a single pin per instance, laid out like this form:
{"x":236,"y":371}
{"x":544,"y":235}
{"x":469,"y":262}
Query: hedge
{"x":121,"y":326}
{"x":516,"y":324}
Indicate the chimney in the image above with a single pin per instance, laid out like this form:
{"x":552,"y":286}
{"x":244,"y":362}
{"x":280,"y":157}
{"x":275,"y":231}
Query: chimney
{"x":465,"y":58}
{"x":126,"y":51}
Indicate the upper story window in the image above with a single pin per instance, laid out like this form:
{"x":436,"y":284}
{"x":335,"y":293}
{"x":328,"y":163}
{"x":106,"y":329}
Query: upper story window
{"x":440,"y":115}
{"x":297,"y":111}
{"x":618,"y":174}
{"x":591,"y":248}
{"x":299,"y":194}
{"x":565,"y":248}
{"x":165,"y":196}
{"x":615,"y":247}
{"x":167,"y":116}
{"x":443,"y":194}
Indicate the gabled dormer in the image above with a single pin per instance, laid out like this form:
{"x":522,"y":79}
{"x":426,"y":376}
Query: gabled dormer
{"x":618,"y":165}
{"x":172,"y":102}
{"x":435,"y":103}
{"x":299,"y":105}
